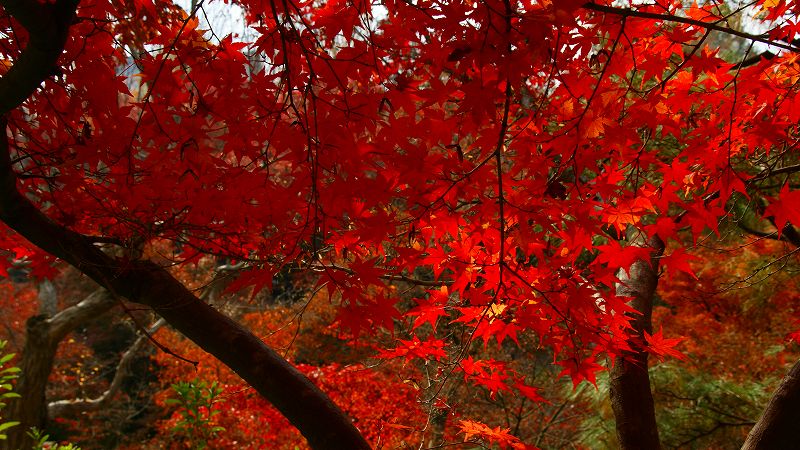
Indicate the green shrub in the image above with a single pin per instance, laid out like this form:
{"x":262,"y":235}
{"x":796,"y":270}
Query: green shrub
{"x":195,"y":401}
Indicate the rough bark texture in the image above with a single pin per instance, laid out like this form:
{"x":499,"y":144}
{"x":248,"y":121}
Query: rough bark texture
{"x":631,"y":397}
{"x":37,"y":360}
{"x":308,"y":408}
{"x":777,"y":428}
{"x":42,"y":336}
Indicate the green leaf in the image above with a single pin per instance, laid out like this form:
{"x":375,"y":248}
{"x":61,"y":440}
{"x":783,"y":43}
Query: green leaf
{"x":7,"y":425}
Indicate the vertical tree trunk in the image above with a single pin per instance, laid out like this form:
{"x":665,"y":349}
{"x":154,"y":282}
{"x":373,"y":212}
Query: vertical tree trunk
{"x":777,"y":428}
{"x":30,"y":410}
{"x":42,"y":336}
{"x":631,"y":397}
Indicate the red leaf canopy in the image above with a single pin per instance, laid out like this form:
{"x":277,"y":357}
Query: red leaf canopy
{"x":497,"y":148}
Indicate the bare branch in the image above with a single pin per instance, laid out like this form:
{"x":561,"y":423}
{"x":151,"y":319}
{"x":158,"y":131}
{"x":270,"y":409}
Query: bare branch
{"x":386,"y":277}
{"x":62,"y":408}
{"x":95,"y":304}
{"x":630,"y":12}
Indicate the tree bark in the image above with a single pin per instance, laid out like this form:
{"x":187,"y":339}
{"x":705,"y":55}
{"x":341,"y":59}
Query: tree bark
{"x":777,"y":428}
{"x":30,"y":410}
{"x":322,"y":423}
{"x":43,"y":334}
{"x":629,"y":381}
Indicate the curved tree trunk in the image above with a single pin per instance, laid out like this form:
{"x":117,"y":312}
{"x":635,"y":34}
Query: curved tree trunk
{"x":631,"y":397}
{"x":323,"y":424}
{"x":777,"y":428}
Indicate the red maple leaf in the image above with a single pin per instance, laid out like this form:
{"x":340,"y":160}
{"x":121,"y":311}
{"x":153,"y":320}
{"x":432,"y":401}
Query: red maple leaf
{"x":427,"y":311}
{"x":785,"y":208}
{"x":663,"y":347}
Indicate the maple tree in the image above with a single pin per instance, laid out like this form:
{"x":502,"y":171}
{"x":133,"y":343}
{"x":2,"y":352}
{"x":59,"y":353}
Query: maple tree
{"x":506,"y":159}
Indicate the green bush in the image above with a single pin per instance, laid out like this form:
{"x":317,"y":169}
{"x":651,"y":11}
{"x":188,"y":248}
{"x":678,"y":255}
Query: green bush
{"x":195,"y":401}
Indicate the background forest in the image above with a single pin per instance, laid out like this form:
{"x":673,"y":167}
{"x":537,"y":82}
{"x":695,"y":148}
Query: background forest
{"x":736,"y":320}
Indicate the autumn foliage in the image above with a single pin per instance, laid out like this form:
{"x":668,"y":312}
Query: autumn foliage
{"x":456,"y":185}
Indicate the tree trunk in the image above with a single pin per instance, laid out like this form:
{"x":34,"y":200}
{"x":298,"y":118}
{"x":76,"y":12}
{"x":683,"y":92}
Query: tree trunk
{"x":631,"y":397}
{"x":777,"y":428}
{"x":42,"y":336}
{"x":323,"y":424}
{"x":30,"y":410}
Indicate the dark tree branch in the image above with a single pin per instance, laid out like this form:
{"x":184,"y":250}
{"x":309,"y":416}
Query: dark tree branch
{"x":772,"y":172}
{"x":305,"y":405}
{"x":48,"y":26}
{"x":767,"y":55}
{"x":630,"y":12}
{"x":757,"y":233}
{"x":791,"y":234}
{"x":777,"y":426}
